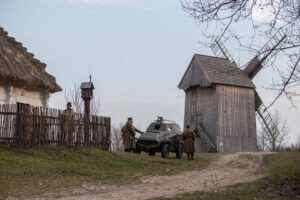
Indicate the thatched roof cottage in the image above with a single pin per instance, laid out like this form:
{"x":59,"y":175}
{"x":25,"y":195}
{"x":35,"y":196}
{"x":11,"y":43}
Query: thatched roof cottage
{"x":23,"y":78}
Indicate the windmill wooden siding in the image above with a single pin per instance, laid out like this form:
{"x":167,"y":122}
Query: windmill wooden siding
{"x":226,"y":112}
{"x":236,"y":119}
{"x":200,"y":107}
{"x":194,"y":76}
{"x":220,"y":110}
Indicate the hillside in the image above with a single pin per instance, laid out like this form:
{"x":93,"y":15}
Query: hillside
{"x":44,"y":170}
{"x":280,"y":181}
{"x":93,"y":174}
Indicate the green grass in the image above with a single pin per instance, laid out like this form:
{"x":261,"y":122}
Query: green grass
{"x":39,"y":170}
{"x":282,"y":182}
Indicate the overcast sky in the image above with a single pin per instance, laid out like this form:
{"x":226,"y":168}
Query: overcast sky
{"x":136,"y":51}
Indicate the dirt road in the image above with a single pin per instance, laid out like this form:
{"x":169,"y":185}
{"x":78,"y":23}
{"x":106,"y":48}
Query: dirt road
{"x":227,"y":170}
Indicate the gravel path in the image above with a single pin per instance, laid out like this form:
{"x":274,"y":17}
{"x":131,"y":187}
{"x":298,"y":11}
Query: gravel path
{"x":229,"y":169}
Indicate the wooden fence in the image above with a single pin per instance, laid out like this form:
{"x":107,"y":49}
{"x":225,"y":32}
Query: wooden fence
{"x":25,"y":126}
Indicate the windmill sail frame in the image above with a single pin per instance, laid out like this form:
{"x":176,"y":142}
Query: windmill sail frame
{"x":269,"y":50}
{"x":221,"y":51}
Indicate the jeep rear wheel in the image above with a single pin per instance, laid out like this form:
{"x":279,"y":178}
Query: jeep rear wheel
{"x":165,"y":151}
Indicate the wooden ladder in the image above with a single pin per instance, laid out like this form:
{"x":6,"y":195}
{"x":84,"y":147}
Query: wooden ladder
{"x":204,"y":137}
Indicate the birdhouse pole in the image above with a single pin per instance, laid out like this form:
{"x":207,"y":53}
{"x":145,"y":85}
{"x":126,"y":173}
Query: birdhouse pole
{"x":87,"y":95}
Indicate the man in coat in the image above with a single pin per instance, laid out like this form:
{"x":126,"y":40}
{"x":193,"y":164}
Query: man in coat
{"x":128,"y":135}
{"x":68,"y":118}
{"x":188,"y":138}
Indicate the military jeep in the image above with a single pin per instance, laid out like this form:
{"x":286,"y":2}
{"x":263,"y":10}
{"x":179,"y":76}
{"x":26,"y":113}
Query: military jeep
{"x":162,"y":136}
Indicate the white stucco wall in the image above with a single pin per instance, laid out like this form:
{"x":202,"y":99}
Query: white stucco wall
{"x":2,"y":95}
{"x":13,"y":95}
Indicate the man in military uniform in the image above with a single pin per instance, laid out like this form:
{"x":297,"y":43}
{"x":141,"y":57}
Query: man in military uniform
{"x":188,"y":138}
{"x":68,"y":125}
{"x":128,"y":135}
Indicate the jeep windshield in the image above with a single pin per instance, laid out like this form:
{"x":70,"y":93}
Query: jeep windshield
{"x":156,"y":128}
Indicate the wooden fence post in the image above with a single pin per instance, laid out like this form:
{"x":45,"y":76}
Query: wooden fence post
{"x":25,"y":125}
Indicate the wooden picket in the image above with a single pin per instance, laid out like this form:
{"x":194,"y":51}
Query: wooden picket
{"x":26,"y":126}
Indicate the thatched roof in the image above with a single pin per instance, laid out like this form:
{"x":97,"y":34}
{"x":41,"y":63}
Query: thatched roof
{"x":205,"y":70}
{"x":19,"y":66}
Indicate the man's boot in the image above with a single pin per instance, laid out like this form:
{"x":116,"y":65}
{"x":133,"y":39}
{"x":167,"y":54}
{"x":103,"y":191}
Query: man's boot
{"x":192,"y":155}
{"x":188,"y":155}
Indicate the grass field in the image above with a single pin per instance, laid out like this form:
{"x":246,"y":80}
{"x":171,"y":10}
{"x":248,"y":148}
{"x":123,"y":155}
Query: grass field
{"x":39,"y":170}
{"x":282,"y":182}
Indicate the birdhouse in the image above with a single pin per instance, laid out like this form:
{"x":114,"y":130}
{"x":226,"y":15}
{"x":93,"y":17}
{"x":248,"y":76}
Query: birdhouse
{"x":87,"y":90}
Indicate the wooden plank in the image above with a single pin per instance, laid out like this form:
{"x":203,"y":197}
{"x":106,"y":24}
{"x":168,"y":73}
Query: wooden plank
{"x":238,"y":119}
{"x":42,"y":126}
{"x":227,"y":113}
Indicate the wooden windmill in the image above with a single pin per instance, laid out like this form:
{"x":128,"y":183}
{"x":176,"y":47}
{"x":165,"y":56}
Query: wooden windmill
{"x":221,"y":100}
{"x":269,"y":50}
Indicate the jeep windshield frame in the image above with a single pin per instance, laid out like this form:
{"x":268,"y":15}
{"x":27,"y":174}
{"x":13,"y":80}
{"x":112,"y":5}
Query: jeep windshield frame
{"x":156,"y":127}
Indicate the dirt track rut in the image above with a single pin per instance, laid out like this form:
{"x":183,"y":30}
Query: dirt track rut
{"x":227,"y":170}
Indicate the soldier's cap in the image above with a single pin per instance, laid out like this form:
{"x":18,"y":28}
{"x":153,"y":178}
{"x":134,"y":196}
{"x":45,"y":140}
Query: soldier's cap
{"x":187,"y":126}
{"x":69,"y":104}
{"x":129,"y":118}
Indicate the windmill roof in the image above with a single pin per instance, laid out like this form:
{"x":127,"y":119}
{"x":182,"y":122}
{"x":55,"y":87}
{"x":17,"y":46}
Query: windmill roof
{"x":19,"y":65}
{"x":205,"y":70}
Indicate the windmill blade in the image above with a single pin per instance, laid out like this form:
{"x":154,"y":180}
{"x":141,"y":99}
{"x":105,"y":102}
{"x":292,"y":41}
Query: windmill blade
{"x":221,"y":51}
{"x":264,"y":116}
{"x":270,"y":49}
{"x":253,"y":67}
{"x":258,"y":101}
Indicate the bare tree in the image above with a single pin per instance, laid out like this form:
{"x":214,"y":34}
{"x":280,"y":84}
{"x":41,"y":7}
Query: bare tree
{"x":73,"y":95}
{"x":298,"y":142}
{"x":292,"y":147}
{"x":224,"y":15}
{"x":262,"y":141}
{"x":275,"y":140}
{"x":116,"y":138}
{"x":95,"y":106}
